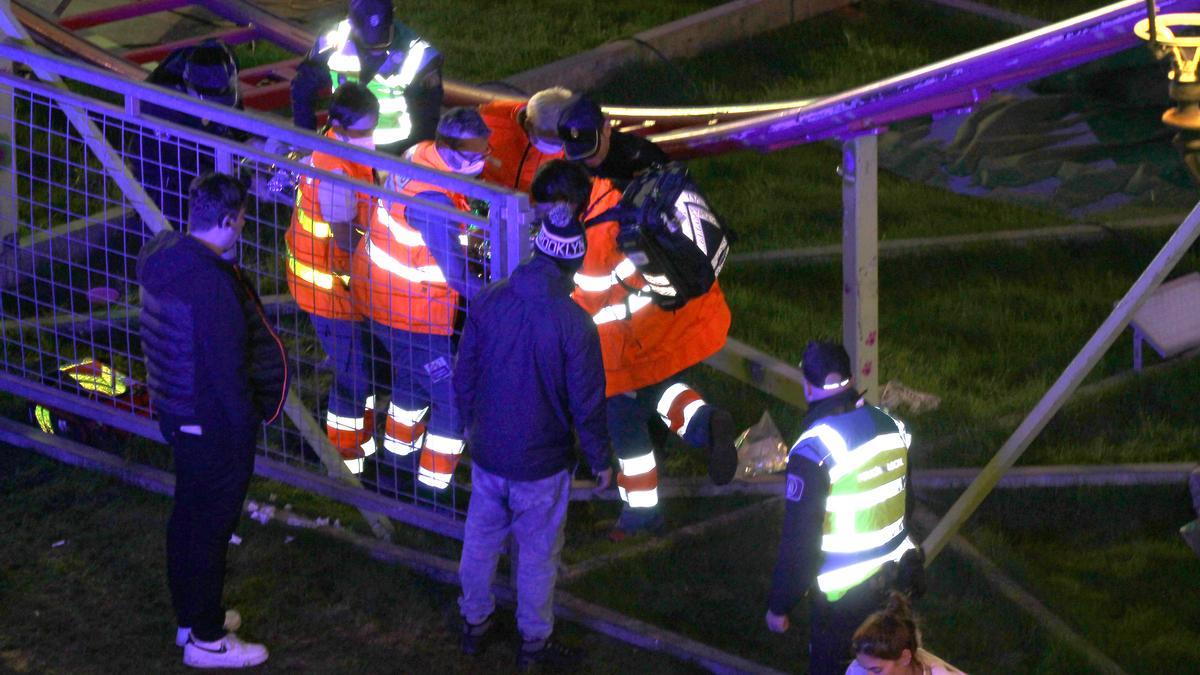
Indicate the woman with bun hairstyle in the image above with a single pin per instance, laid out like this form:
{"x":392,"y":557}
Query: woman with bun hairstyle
{"x":888,"y":643}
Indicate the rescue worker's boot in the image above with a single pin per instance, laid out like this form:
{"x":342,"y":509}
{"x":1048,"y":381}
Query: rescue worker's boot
{"x":633,"y":522}
{"x":701,"y":425}
{"x":439,"y":458}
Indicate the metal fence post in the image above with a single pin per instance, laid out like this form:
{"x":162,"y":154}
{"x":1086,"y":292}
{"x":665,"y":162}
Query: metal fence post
{"x":860,"y":260}
{"x":510,"y":227}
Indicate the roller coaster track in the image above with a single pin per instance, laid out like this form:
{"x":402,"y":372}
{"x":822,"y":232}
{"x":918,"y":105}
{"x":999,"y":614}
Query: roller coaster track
{"x":953,"y":84}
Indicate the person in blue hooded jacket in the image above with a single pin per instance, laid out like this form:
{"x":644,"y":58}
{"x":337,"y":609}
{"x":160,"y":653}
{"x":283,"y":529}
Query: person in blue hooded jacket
{"x":528,"y":372}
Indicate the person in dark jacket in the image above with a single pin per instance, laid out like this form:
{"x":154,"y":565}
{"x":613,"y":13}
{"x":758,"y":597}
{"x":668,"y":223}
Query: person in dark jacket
{"x":589,"y":139}
{"x":528,"y":372}
{"x":216,"y":371}
{"x":165,"y":163}
{"x":845,"y":539}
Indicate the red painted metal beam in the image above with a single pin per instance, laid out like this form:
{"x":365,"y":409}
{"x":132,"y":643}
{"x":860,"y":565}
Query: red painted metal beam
{"x":230,"y":36}
{"x":268,"y":97}
{"x":129,"y":10}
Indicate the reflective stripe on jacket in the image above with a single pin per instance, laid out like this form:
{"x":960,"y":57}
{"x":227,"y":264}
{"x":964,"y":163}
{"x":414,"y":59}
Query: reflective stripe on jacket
{"x":515,"y":159}
{"x":404,"y":62}
{"x":642,"y":344}
{"x":865,"y":452}
{"x":312,"y":257}
{"x":397,"y":281}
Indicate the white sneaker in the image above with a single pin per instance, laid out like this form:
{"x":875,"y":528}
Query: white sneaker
{"x":233,"y":621}
{"x":228,"y":652}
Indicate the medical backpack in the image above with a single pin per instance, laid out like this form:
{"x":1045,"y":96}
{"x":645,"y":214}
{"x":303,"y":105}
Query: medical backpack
{"x":671,"y":234}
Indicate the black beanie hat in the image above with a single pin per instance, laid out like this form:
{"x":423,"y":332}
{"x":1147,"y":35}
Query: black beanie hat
{"x":561,"y":234}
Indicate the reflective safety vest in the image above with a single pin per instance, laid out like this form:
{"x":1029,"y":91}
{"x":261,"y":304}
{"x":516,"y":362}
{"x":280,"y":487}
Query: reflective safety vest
{"x":96,"y":377}
{"x":312,"y":257}
{"x":515,"y":159}
{"x":406,"y":58}
{"x":397,"y":281}
{"x":641,"y":343}
{"x":865,"y":452}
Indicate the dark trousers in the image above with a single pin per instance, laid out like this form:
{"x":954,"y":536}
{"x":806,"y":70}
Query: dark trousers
{"x":212,"y":473}
{"x":833,"y":625}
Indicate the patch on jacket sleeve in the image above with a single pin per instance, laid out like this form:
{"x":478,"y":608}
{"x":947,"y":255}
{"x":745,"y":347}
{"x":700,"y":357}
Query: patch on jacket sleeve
{"x":795,"y":488}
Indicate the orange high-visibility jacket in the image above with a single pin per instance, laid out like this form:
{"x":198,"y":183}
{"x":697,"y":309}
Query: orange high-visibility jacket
{"x":515,"y":158}
{"x":641,"y":343}
{"x":313,"y":259}
{"x":397,"y":282}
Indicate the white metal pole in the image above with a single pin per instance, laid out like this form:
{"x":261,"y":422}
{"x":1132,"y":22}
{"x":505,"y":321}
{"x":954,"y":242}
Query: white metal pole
{"x":860,"y":260}
{"x":1087,"y":358}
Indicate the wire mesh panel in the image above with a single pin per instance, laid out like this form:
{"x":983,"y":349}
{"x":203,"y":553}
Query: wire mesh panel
{"x":364,"y":265}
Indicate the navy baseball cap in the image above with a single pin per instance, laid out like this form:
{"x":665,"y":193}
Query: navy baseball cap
{"x":372,"y":20}
{"x":579,"y":128}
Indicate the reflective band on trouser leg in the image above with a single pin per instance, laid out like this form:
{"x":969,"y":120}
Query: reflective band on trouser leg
{"x":369,"y":415}
{"x":677,"y":406}
{"x":439,"y":458}
{"x":637,"y":481}
{"x":404,"y":430}
{"x":351,"y":438}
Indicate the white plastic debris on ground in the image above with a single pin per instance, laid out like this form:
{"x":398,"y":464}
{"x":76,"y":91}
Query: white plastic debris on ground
{"x":235,"y":540}
{"x":260,"y":512}
{"x":896,"y":395}
{"x":761,"y":450}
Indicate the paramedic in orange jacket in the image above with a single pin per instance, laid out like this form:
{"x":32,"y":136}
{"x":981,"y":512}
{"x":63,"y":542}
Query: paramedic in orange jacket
{"x":328,"y":219}
{"x":410,"y":272}
{"x":646,"y":351}
{"x":524,"y":137}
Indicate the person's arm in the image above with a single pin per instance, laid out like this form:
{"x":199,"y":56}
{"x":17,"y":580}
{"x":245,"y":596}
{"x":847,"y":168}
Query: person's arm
{"x":339,"y":207}
{"x":585,"y":391}
{"x":441,"y":238}
{"x":312,"y":77}
{"x":803,"y":524}
{"x":221,"y":345}
{"x":466,"y":371}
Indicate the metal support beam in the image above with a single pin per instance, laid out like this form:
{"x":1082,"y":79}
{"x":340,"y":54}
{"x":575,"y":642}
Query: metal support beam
{"x":860,"y":260}
{"x":109,"y":158}
{"x":1087,"y":358}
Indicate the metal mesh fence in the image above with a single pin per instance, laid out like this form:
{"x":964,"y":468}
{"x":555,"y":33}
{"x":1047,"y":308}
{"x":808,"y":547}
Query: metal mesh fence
{"x":376,"y":382}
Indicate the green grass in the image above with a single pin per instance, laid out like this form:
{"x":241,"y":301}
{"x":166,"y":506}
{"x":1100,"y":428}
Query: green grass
{"x":98,"y":603}
{"x":1110,"y":562}
{"x":989,"y":330}
{"x":1047,"y":10}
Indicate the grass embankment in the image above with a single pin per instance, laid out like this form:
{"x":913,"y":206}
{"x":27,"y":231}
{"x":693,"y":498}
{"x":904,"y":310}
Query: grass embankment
{"x":98,"y":602}
{"x":1047,"y":10}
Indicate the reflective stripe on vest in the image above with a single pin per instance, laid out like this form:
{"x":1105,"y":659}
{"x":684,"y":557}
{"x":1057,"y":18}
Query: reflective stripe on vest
{"x":317,"y":228}
{"x":395,"y":124}
{"x":314,"y":276}
{"x":865,"y":509}
{"x":429,"y":274}
{"x":404,"y":235}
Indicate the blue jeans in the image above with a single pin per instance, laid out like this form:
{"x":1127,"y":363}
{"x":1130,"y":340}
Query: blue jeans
{"x":535,"y":512}
{"x":347,"y":344}
{"x":421,"y":376}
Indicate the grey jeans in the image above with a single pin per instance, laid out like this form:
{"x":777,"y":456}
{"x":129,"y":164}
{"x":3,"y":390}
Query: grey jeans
{"x":535,"y":512}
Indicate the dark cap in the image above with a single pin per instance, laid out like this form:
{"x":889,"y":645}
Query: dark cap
{"x":211,"y":71}
{"x":822,"y":359}
{"x":372,"y":20}
{"x":579,"y":128}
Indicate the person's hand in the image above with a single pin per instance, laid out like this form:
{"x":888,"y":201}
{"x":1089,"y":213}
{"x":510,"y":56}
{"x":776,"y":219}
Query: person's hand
{"x":778,"y":623}
{"x":603,"y":480}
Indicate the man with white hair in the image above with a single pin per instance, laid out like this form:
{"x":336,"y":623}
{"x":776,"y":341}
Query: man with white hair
{"x":524,"y":136}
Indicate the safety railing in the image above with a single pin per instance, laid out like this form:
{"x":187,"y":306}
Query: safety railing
{"x":88,"y":176}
